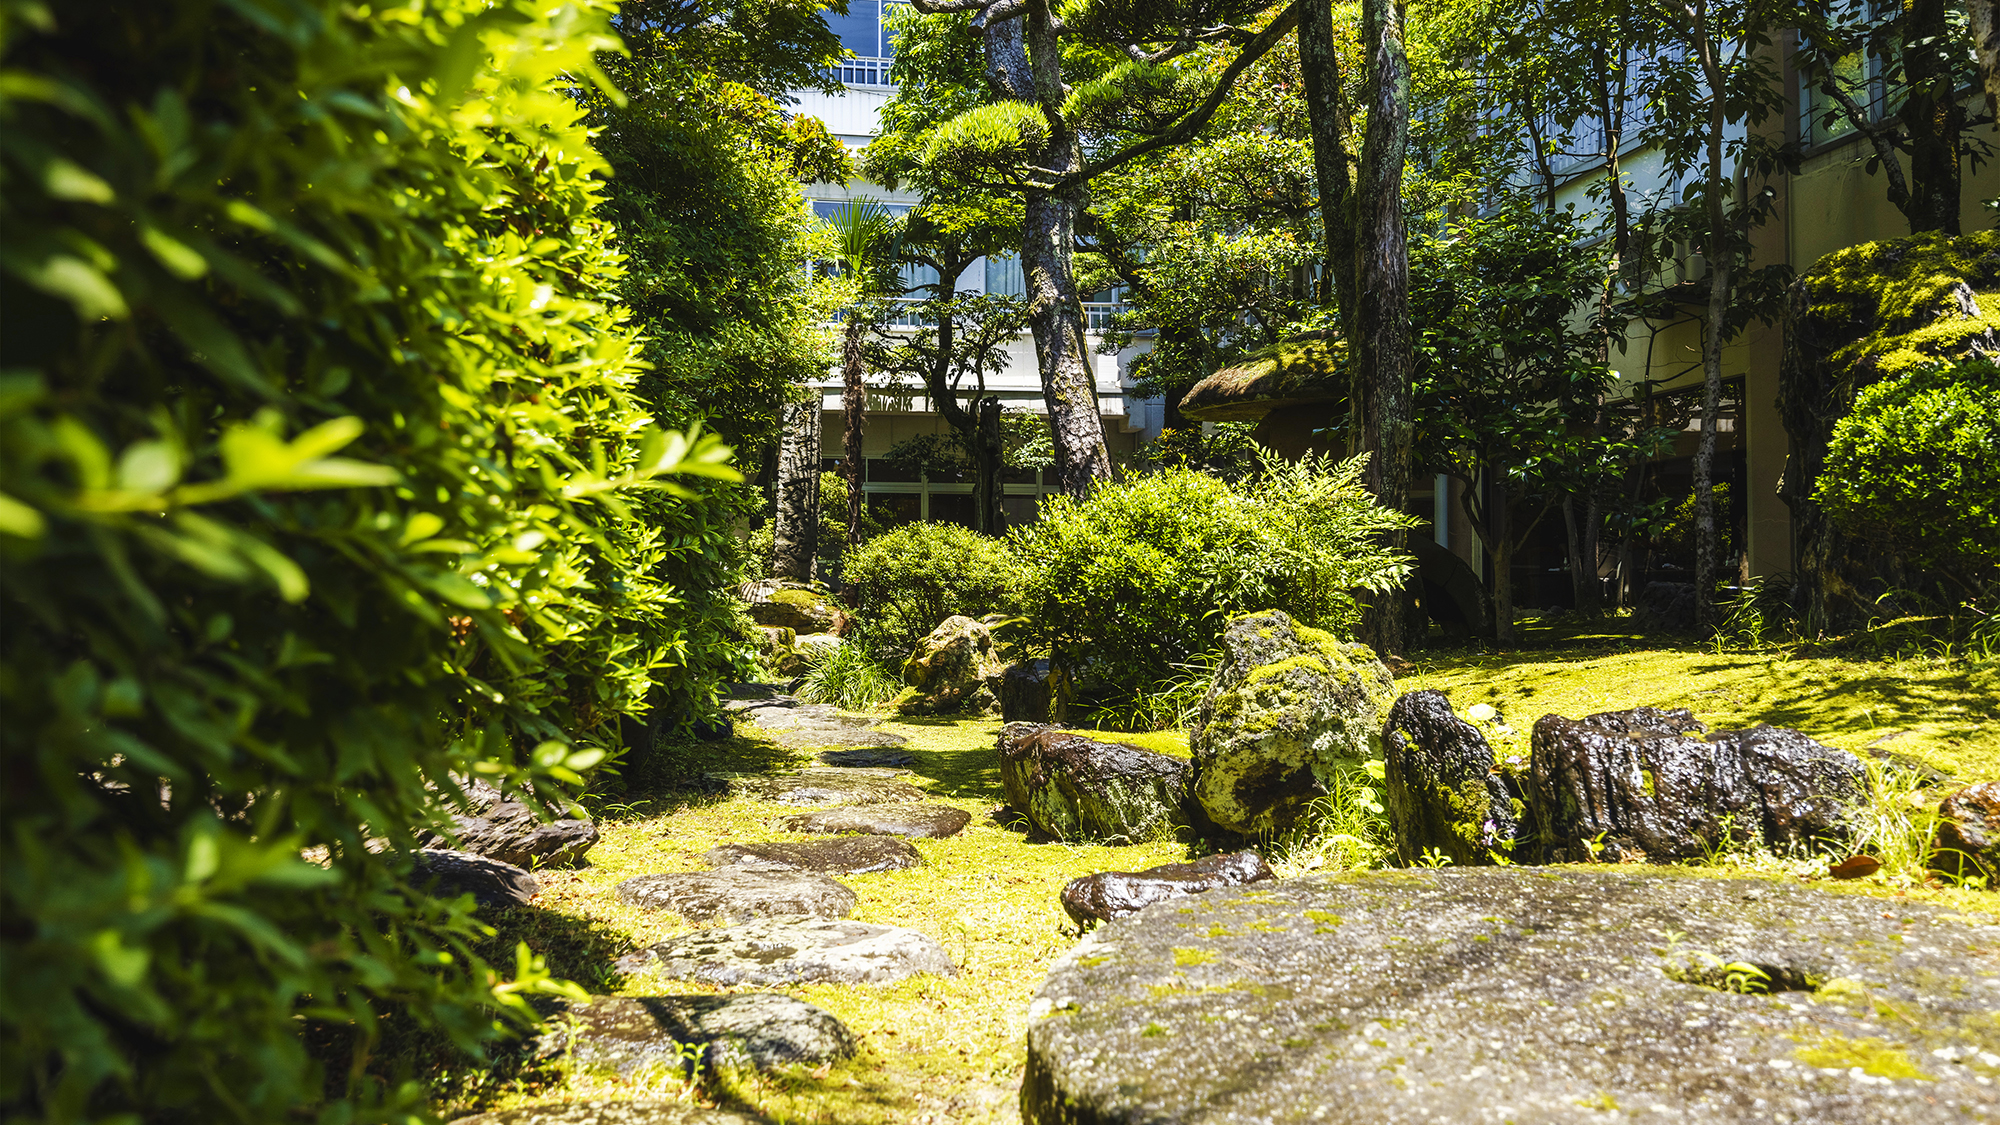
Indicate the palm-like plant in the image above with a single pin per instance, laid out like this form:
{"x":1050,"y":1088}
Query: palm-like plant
{"x":865,"y":241}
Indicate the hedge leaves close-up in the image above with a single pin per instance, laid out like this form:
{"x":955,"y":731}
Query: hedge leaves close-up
{"x":322,"y":483}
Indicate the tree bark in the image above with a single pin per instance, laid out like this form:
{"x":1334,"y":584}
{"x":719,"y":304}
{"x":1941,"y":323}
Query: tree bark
{"x":1721,"y":255}
{"x":854,"y":408}
{"x":1382,"y":422}
{"x":795,"y":531}
{"x":988,"y":448}
{"x":1500,"y":556}
{"x":1986,"y":44}
{"x":1326,"y":115}
{"x":1932,"y":117}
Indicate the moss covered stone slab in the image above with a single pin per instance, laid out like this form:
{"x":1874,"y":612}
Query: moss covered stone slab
{"x":1291,"y":373}
{"x":813,"y":726}
{"x":739,"y":892}
{"x":845,"y":855}
{"x":928,"y":822}
{"x":1086,"y":789}
{"x":826,"y":786}
{"x":611,"y":1113}
{"x":777,"y":951}
{"x":1528,"y":995}
{"x":761,"y":1030}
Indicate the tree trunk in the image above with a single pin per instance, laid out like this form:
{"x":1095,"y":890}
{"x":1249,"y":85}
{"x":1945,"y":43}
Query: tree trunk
{"x":854,"y":406}
{"x":1591,"y":548}
{"x":1986,"y":44}
{"x":1327,"y":117}
{"x":988,"y":448}
{"x":1721,"y":255}
{"x":1024,"y":59}
{"x":1932,"y":117}
{"x":795,"y":530}
{"x":1381,"y":343}
{"x":1573,"y":542}
{"x":1500,"y":556}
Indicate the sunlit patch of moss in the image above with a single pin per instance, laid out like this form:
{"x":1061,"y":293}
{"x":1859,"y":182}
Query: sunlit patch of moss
{"x":1185,"y":956}
{"x":1888,"y":285}
{"x":1873,"y":1056}
{"x":1173,"y":743}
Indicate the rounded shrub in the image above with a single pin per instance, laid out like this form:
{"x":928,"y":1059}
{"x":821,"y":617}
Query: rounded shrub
{"x":903,"y":582}
{"x":1916,"y":467}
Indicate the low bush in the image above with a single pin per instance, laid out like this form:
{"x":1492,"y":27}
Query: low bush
{"x":847,"y":677}
{"x":1132,"y":583}
{"x":905,"y":581}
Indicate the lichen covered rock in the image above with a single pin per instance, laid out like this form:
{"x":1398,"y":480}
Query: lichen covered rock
{"x":513,"y":832}
{"x":762,"y":1030}
{"x":1646,"y":785}
{"x":610,"y":1112}
{"x":1081,"y":789}
{"x":1290,"y":707}
{"x":1443,"y":795}
{"x":955,"y":669}
{"x":1968,"y":833}
{"x":801,"y":607}
{"x":1114,"y":894}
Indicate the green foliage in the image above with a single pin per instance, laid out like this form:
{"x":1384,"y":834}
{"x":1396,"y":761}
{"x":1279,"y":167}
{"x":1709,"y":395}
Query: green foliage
{"x":849,"y":678}
{"x":325,"y":482}
{"x":1138,"y":578}
{"x":1916,"y":467}
{"x":908,"y":579}
{"x":757,"y":545}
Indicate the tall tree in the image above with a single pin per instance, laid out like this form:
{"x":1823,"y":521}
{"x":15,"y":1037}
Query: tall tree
{"x":1044,"y":134}
{"x":795,"y":524}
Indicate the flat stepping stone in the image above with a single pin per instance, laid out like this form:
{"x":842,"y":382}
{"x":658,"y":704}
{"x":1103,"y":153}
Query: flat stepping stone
{"x":1522,"y":994}
{"x":739,"y":892}
{"x":764,"y":1030}
{"x":930,"y":822}
{"x":446,"y":873}
{"x":611,"y":1113}
{"x":777,"y":951}
{"x":798,"y":726}
{"x":845,"y":855}
{"x":869,"y":756}
{"x":825,"y":787}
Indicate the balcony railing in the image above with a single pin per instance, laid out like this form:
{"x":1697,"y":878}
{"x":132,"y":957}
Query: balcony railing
{"x":1096,"y":316}
{"x":861,"y":71}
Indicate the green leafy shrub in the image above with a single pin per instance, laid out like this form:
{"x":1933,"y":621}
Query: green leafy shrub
{"x":322,"y":480}
{"x":1138,"y":578}
{"x":847,"y":677}
{"x":1916,"y":467}
{"x":908,"y":579}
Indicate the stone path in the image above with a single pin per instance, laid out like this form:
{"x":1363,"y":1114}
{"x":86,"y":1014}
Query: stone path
{"x":760,"y":1029}
{"x":796,"y":951}
{"x":844,"y":855}
{"x":923,"y":821}
{"x":731,"y":893}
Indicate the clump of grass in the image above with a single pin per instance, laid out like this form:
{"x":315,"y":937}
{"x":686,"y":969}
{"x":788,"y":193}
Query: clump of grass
{"x":847,"y":677}
{"x":1345,"y":830}
{"x":1896,"y":822}
{"x":1169,"y":704}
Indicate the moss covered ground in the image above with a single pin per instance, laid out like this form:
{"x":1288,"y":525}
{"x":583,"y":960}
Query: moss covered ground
{"x":950,"y":1050}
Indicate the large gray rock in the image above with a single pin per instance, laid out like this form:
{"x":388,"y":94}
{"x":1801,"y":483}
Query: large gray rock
{"x":826,"y":787}
{"x":813,"y":726}
{"x":1076,"y":788}
{"x":1443,"y":794}
{"x":1034,"y":691}
{"x":739,"y":892}
{"x":956,"y":669}
{"x":779,"y":951}
{"x":513,"y":832}
{"x":1968,"y":833}
{"x":1647,"y":785}
{"x":928,"y":822}
{"x":1114,"y":894}
{"x":763,"y":1030}
{"x":845,"y":855}
{"x":1512,"y":994}
{"x":1290,"y":706}
{"x":611,"y":1113}
{"x":448,"y":874}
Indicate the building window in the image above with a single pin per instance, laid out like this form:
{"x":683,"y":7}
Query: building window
{"x":1003,"y":276}
{"x":863,"y":31}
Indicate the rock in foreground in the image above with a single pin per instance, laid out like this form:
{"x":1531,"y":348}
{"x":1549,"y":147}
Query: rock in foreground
{"x":797,"y":951}
{"x":1443,"y":794}
{"x":739,"y":892}
{"x":610,"y":1113}
{"x":1114,"y":894}
{"x":929,"y":822}
{"x":1289,"y":706}
{"x":448,"y":874}
{"x":1507,"y":994}
{"x":1077,"y":788}
{"x":764,"y":1030}
{"x":1647,"y":785}
{"x":846,"y":855}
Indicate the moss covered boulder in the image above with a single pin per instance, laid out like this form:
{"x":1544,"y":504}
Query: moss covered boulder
{"x":1444,"y":796}
{"x":797,"y":606}
{"x":956,"y":669}
{"x":1082,"y":789}
{"x":1521,"y":994}
{"x":1968,"y":834}
{"x":1290,"y":707}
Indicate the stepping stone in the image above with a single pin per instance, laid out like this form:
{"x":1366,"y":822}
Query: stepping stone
{"x":816,"y":725}
{"x":611,"y":1113}
{"x":1523,"y":994}
{"x":846,"y":855}
{"x":490,"y":882}
{"x":931,"y":822}
{"x":869,"y":756}
{"x":777,"y":951}
{"x":764,"y":1030}
{"x":825,"y":787}
{"x":739,"y":892}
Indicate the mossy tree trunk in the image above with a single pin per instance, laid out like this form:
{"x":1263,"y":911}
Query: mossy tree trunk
{"x":1721,"y":254}
{"x":795,"y":535}
{"x":854,"y":412}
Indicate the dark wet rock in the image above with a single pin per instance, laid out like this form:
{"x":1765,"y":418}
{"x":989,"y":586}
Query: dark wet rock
{"x":611,"y":1113}
{"x":1664,"y":608}
{"x":879,"y":756}
{"x":762,"y":1030}
{"x":1290,"y":706}
{"x":739,"y":892}
{"x":448,"y":874}
{"x":844,"y":855}
{"x":826,"y":787}
{"x":1646,"y":785}
{"x":796,"y":951}
{"x":1968,"y":833}
{"x":954,"y":670}
{"x":931,"y":822}
{"x":1077,"y":788}
{"x":513,"y":832}
{"x":1034,"y":691}
{"x":1114,"y":894}
{"x":1518,"y":994}
{"x":1443,"y":794}
{"x":812,"y":726}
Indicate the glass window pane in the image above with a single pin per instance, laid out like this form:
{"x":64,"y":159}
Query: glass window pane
{"x":882,"y":470}
{"x":860,"y":30}
{"x":946,"y":508}
{"x":1003,"y":275}
{"x":1021,"y":510}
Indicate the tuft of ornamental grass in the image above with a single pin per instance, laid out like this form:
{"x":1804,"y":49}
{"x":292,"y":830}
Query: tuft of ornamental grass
{"x":847,"y":677}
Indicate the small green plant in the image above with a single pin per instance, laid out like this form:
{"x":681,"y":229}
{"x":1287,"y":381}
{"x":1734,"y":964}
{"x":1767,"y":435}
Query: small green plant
{"x":1894,"y":822}
{"x":847,"y":677}
{"x":905,"y":581}
{"x":1345,"y":830}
